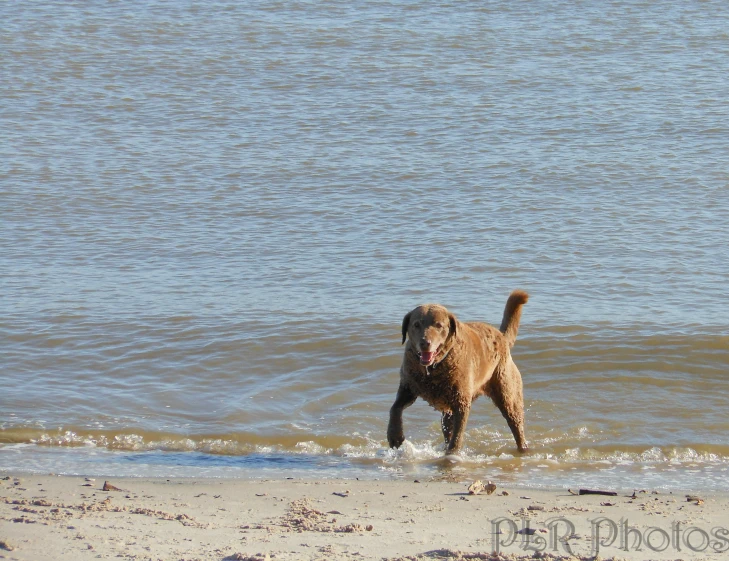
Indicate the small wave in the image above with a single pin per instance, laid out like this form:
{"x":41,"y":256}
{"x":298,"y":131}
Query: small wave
{"x":553,"y":464}
{"x":689,"y":467}
{"x":488,"y":446}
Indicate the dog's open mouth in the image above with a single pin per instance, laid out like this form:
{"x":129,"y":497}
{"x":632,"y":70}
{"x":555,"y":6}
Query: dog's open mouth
{"x":427,"y":357}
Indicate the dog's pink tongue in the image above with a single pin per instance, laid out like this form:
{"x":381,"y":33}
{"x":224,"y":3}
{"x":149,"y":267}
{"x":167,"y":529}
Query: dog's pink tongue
{"x":426,"y":357}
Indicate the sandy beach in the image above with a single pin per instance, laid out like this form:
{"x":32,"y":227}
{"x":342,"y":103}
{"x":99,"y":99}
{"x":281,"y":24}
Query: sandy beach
{"x":57,"y":517}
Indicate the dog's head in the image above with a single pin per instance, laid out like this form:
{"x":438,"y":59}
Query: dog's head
{"x":432,"y":329}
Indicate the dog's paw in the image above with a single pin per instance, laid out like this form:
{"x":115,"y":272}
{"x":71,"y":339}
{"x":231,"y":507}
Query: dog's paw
{"x":395,"y":440}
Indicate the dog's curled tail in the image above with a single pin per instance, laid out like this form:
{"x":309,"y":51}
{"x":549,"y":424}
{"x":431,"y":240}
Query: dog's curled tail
{"x":512,"y":315}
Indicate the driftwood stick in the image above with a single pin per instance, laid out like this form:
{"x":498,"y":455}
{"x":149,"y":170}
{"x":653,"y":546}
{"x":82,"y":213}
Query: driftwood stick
{"x":594,"y":492}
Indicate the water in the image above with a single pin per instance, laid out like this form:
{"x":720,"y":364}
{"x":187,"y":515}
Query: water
{"x":214,"y":217}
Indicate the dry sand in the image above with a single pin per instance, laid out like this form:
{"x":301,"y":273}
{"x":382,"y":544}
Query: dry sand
{"x":51,"y":517}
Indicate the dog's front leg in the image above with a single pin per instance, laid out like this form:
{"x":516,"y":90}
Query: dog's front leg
{"x":446,"y":425}
{"x":405,"y":398}
{"x":459,"y":420}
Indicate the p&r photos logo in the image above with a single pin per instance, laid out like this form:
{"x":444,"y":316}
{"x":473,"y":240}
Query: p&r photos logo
{"x":559,"y":534}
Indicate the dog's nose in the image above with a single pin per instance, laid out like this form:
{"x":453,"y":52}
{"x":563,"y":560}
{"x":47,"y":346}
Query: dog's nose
{"x":425,"y":343}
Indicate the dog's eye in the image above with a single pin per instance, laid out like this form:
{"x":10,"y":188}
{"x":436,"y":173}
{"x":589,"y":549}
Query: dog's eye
{"x":416,"y":325}
{"x":439,"y":325}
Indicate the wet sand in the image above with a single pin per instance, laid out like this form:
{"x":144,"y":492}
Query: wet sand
{"x":51,"y":517}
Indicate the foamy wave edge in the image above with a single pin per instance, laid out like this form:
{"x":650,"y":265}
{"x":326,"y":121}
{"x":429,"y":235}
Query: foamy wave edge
{"x":372,"y":449}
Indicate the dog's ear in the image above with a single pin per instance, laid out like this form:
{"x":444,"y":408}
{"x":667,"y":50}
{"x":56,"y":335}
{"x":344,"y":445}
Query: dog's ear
{"x":454,"y":325}
{"x":405,"y":325}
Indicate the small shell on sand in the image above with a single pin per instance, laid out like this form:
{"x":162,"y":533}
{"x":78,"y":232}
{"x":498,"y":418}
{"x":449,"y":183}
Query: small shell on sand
{"x":478,"y":487}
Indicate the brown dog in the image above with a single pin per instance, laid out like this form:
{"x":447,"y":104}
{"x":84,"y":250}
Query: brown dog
{"x":449,"y":364}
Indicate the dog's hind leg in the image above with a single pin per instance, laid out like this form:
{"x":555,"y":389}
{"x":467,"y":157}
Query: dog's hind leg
{"x":506,"y":392}
{"x":515,"y":418}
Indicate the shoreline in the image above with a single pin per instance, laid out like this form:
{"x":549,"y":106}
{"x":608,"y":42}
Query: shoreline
{"x":67,"y":517}
{"x":533,"y":471}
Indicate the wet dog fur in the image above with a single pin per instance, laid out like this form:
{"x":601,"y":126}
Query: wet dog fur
{"x":450,"y":363}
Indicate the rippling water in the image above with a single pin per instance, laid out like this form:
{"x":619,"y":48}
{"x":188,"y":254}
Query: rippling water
{"x":215,"y":216}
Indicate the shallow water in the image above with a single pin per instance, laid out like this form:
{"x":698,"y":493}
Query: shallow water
{"x":215,"y":217}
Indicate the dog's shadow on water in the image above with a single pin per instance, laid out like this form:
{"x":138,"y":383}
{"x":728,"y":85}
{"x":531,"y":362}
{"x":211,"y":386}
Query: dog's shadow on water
{"x":459,"y":468}
{"x":450,"y":467}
